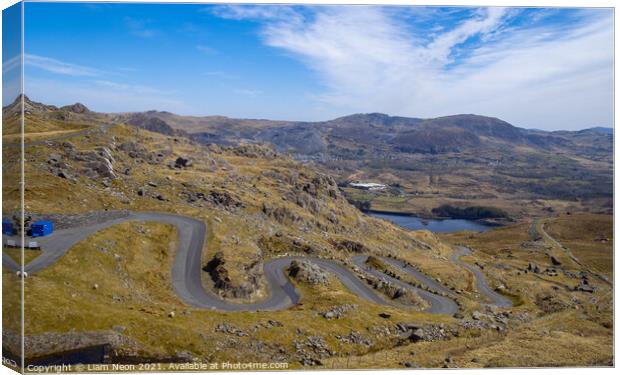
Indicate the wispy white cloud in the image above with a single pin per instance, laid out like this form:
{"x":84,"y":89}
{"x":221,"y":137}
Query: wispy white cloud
{"x":484,"y":24}
{"x":11,"y":79}
{"x":555,"y":75}
{"x":59,"y":67}
{"x":266,"y":12}
{"x":10,"y":64}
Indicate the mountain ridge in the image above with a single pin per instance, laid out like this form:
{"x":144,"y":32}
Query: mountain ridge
{"x":422,"y":160}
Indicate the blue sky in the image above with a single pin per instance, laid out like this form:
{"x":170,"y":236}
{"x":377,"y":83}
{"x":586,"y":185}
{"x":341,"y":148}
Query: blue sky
{"x":536,"y":68}
{"x":11,"y":52}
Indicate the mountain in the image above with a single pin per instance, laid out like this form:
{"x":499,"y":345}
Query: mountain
{"x":151,"y":123}
{"x":29,"y":106}
{"x":603,"y":130}
{"x":377,"y":135}
{"x":47,"y":118}
{"x":462,"y":160}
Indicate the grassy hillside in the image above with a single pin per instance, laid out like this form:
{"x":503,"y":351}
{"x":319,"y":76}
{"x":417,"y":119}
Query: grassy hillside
{"x":258,"y":204}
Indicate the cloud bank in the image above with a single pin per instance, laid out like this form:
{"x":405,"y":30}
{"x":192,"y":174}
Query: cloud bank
{"x":542,"y":74}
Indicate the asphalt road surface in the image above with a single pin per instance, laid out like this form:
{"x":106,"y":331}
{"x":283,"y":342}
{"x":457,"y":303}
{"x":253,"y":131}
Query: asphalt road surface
{"x":481,"y":282}
{"x":187,"y":269}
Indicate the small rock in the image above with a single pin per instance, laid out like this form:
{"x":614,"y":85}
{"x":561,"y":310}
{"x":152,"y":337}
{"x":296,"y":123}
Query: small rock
{"x":54,"y":158}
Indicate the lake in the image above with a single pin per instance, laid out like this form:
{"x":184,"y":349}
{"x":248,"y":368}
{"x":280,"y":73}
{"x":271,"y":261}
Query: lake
{"x":440,"y":226}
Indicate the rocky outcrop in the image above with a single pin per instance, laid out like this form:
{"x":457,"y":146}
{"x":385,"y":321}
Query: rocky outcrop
{"x":230,"y":329}
{"x":133,"y":149}
{"x":320,"y":185}
{"x":59,"y":167}
{"x":304,"y":200}
{"x":223,"y":199}
{"x":98,"y":163}
{"x":219,"y":274}
{"x":415,"y":332}
{"x":151,"y":123}
{"x":393,"y":291}
{"x":220,"y":199}
{"x":310,"y":351}
{"x":355,"y":337}
{"x":217,"y":271}
{"x":350,"y":246}
{"x":308,"y":272}
{"x":550,"y":303}
{"x":76,"y":108}
{"x":30,"y":106}
{"x":255,"y":151}
{"x":281,"y":214}
{"x":337,"y":312}
{"x":182,"y":162}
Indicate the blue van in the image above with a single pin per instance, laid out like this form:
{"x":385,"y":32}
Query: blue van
{"x":41,"y":228}
{"x":7,"y":227}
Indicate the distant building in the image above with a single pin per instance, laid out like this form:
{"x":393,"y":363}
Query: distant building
{"x":367,"y":185}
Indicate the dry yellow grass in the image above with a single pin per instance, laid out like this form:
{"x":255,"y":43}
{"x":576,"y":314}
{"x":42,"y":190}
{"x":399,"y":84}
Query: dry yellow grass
{"x":589,"y":238}
{"x":557,"y":340}
{"x":135,"y":291}
{"x":28,"y":254}
{"x":130,"y":264}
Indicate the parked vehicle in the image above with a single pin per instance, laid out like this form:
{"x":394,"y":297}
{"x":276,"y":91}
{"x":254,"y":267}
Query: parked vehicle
{"x":7,"y":227}
{"x":42,"y":228}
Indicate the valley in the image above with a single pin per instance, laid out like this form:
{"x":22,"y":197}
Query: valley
{"x":461,"y":160}
{"x":205,"y":240}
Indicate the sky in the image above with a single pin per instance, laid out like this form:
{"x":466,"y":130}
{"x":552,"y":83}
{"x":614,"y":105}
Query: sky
{"x":544,"y":68}
{"x":11,"y":53}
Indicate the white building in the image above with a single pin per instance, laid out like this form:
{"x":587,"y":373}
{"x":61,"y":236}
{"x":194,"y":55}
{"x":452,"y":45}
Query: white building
{"x":367,"y":185}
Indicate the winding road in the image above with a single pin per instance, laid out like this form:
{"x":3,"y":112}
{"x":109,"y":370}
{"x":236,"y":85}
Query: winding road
{"x":438,"y":303}
{"x":481,"y":282}
{"x":60,"y":137}
{"x":187,"y":269}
